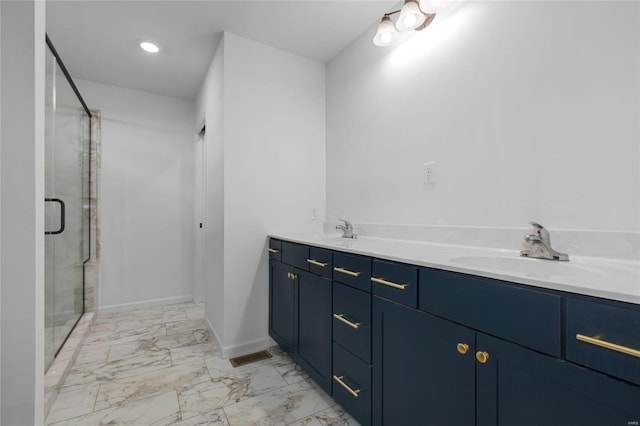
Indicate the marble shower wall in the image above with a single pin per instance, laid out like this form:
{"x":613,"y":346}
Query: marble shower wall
{"x":91,"y":275}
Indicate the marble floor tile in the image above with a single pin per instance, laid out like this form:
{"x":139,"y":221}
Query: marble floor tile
{"x":289,"y":370}
{"x":174,"y":316}
{"x":158,"y":366}
{"x":214,"y":418}
{"x":125,"y":336}
{"x":195,"y":312}
{"x":332,"y":416}
{"x":185,"y":354}
{"x":131,"y":366}
{"x":229,"y":388}
{"x":74,"y":402}
{"x":280,"y":407}
{"x":158,"y":410}
{"x":181,"y":306}
{"x":201,"y":335}
{"x":178,"y":378}
{"x":185,"y":326}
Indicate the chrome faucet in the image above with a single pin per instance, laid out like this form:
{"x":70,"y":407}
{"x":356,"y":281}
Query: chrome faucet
{"x":538,"y":245}
{"x":347,"y":229}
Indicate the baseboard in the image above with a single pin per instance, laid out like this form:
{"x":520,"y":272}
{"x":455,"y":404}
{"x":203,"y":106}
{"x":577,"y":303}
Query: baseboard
{"x":245,"y":348}
{"x":144,"y":304}
{"x":212,"y":333}
{"x":241,"y":349}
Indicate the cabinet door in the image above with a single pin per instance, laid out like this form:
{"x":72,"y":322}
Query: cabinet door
{"x":419,"y":376}
{"x":282,"y":306}
{"x":517,"y":386}
{"x":314,"y":327}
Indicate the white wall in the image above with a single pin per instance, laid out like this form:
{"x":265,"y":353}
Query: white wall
{"x":530,"y":110}
{"x":22,"y":49}
{"x":146,"y":189}
{"x":274,"y":174}
{"x":274,"y":169}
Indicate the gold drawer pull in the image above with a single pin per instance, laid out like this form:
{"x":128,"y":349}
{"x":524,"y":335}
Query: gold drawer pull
{"x":315,"y":262}
{"x":389,"y":283}
{"x":608,"y":345}
{"x":273,"y":250}
{"x":346,"y":271}
{"x":353,"y":392}
{"x":340,"y":317}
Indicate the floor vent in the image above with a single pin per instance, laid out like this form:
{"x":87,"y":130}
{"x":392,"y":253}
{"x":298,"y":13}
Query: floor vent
{"x":249,"y":358}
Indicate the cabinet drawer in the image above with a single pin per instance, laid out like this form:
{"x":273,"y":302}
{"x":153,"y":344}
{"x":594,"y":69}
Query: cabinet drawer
{"x":518,"y":314}
{"x":295,"y":255}
{"x":320,"y":262}
{"x":352,"y":384}
{"x":352,"y":270}
{"x":352,"y":320}
{"x":395,"y":281}
{"x":275,"y":249}
{"x":604,"y":337}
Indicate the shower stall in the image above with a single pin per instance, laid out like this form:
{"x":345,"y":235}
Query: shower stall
{"x":67,"y":203}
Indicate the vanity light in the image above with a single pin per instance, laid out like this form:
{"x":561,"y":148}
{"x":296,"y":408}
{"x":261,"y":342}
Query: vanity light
{"x":432,"y":6}
{"x":149,"y":47}
{"x":413,"y":16}
{"x":386,"y":33}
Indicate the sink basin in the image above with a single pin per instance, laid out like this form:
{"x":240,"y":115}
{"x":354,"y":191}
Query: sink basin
{"x":526,"y":266}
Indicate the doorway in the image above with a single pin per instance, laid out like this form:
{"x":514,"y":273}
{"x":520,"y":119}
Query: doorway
{"x":200,"y":213}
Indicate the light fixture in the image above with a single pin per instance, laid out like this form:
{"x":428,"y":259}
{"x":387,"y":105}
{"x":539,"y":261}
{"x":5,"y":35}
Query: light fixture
{"x":412,"y":17}
{"x":432,"y":6}
{"x":386,"y":33}
{"x":147,"y":46}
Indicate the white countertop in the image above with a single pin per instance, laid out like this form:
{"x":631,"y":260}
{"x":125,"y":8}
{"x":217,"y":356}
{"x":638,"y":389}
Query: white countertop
{"x":592,"y":276}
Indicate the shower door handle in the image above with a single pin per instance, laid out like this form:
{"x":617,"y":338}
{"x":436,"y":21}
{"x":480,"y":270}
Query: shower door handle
{"x":62,"y":216}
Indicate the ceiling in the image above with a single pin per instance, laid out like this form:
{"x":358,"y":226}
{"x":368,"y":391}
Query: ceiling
{"x":98,"y":40}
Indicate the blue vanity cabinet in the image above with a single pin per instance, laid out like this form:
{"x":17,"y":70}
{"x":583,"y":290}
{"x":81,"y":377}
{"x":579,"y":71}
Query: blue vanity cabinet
{"x":423,"y":368}
{"x":398,"y":344}
{"x":283,"y":306}
{"x":518,"y":386}
{"x":314,"y":327}
{"x":527,"y":316}
{"x":604,"y":337}
{"x":300,"y":308}
{"x":428,"y":370}
{"x":352,"y":351}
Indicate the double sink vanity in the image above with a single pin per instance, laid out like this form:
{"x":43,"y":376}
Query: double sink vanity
{"x":412,"y":333}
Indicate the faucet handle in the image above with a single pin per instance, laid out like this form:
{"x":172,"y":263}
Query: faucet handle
{"x":346,"y":223}
{"x":536,"y":226}
{"x":541,"y":231}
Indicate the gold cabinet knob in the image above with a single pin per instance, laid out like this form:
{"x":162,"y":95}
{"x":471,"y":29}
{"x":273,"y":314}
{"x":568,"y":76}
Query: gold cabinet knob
{"x":462,"y":348}
{"x":294,"y":277}
{"x":482,"y":357}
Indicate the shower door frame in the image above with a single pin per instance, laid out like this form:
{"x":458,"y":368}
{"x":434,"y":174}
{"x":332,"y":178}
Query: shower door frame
{"x":65,"y":72}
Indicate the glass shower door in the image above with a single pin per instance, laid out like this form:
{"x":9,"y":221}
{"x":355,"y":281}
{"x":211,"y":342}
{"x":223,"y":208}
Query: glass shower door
{"x":67,"y":151}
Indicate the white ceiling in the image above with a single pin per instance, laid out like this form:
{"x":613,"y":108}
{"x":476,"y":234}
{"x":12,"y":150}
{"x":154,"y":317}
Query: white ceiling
{"x":98,"y":40}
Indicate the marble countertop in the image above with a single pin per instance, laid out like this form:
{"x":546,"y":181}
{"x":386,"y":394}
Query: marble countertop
{"x":593,"y":276}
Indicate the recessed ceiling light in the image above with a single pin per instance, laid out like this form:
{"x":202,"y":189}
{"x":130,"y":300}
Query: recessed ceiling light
{"x":149,"y":47}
